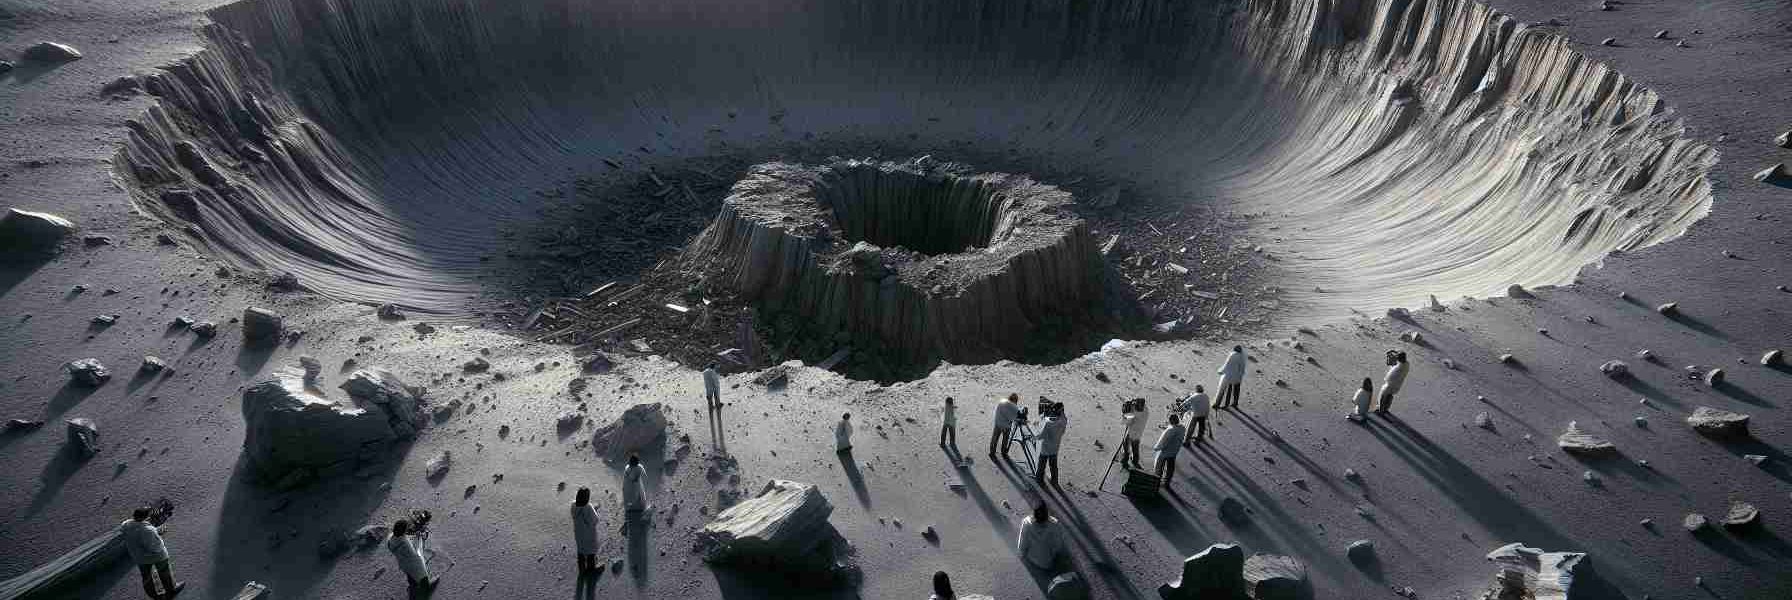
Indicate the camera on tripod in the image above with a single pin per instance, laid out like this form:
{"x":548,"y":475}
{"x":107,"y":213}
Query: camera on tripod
{"x":1049,"y":409}
{"x":420,"y":522}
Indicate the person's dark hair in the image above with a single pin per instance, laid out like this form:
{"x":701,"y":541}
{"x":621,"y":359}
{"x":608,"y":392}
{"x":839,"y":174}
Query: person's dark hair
{"x":583,"y":497}
{"x":1367,"y":384}
{"x":1238,"y":348}
{"x":1014,"y":397}
{"x":712,"y":365}
{"x":1126,"y":407}
{"x":1400,"y":357}
{"x":401,"y":527}
{"x":845,"y":416}
{"x":1174,"y":420}
{"x":1041,"y":514}
{"x":141,"y":513}
{"x":942,"y":586}
{"x":1199,"y":390}
{"x":948,"y":400}
{"x":634,"y":459}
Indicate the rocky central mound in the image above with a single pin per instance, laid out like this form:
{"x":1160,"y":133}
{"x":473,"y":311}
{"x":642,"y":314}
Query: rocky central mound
{"x":927,"y":259}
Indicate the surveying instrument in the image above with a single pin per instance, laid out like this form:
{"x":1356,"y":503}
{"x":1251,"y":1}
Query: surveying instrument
{"x":1021,"y":432}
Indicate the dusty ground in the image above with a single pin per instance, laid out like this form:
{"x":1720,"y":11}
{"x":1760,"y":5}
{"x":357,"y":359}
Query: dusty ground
{"x":1436,"y":492}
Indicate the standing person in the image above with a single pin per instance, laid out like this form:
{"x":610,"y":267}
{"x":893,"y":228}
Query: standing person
{"x":1231,"y":375}
{"x":1361,"y":401}
{"x":843,"y":434}
{"x":145,"y":544}
{"x":712,"y":388}
{"x":1167,"y":446}
{"x":942,"y":587}
{"x":1051,"y":435}
{"x":1135,"y":430}
{"x":949,"y":423}
{"x":1196,"y":407}
{"x":584,"y":530}
{"x":634,"y":495}
{"x":1041,"y":540}
{"x":408,"y":548}
{"x":1126,"y":421}
{"x":1006,"y":411}
{"x":1390,"y":384}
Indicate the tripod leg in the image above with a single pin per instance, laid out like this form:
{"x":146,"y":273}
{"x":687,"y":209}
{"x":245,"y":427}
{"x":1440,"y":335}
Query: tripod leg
{"x":1111,"y":461}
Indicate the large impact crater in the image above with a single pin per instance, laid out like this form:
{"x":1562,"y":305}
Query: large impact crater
{"x":1371,"y":152}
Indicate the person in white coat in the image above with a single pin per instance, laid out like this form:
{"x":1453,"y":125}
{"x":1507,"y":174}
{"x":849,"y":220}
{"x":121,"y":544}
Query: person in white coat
{"x":1131,"y":427}
{"x":949,"y":422}
{"x":1231,"y":376}
{"x":1391,"y":383}
{"x":634,"y":493}
{"x":1006,"y":411}
{"x":408,"y":549}
{"x":1195,"y":409}
{"x":843,"y":434}
{"x":1360,"y":403}
{"x":144,"y":543}
{"x":1168,"y":444}
{"x":712,"y":388}
{"x":1041,"y":540}
{"x":584,"y":530}
{"x":1051,"y":436}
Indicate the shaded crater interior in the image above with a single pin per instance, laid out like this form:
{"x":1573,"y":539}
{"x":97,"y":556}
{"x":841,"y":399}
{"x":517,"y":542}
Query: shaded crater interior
{"x":391,"y":150}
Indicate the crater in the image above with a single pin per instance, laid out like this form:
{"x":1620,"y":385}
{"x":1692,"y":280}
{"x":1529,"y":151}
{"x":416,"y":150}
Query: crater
{"x":1239,"y":166}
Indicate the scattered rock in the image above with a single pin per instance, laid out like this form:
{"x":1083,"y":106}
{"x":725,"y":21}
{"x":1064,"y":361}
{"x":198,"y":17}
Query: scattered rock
{"x":291,"y":429}
{"x":1773,"y":358}
{"x":1661,"y":35}
{"x":477,"y":365}
{"x":1714,"y":377}
{"x":285,"y":282}
{"x":401,"y":404}
{"x":1609,"y":42}
{"x":1742,"y":515}
{"x":312,"y":368}
{"x":204,"y":329}
{"x":104,"y":320}
{"x":1718,"y":423}
{"x":1669,"y":309}
{"x":1413,"y":337}
{"x":1233,"y":512}
{"x":1484,"y":420}
{"x":152,"y":364}
{"x":437,"y":467}
{"x":51,"y":52}
{"x":24,"y":230}
{"x":260,"y":324}
{"x":1517,"y":291}
{"x":22,"y":425}
{"x":1757,"y":459}
{"x":83,"y":436}
{"x":785,"y":527}
{"x":773,"y":378}
{"x":87,"y":371}
{"x":1695,"y":522}
{"x":1361,"y":552}
{"x":389,"y":312}
{"x":1434,"y":305}
{"x":1067,"y":586}
{"x":1214,"y":573}
{"x":1529,"y":573}
{"x":597,"y":364}
{"x":569,"y":421}
{"x":1641,"y":422}
{"x":1784,"y":140}
{"x":1645,"y":354}
{"x":1614,"y":368}
{"x":1276,"y":577}
{"x":1507,"y":359}
{"x":423,"y":328}
{"x":1774,"y":173}
{"x":639,"y":427}
{"x":1399,"y":313}
{"x":1580,"y":442}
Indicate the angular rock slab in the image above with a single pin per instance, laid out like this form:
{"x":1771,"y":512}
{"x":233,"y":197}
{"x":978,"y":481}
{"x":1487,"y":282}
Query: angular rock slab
{"x":1276,"y":577}
{"x":1576,"y":441}
{"x":1067,"y":586}
{"x":290,"y":428}
{"x":785,"y":522}
{"x":83,"y":436}
{"x":1718,"y":423}
{"x":1216,"y":573}
{"x":402,"y":404}
{"x":23,"y":230}
{"x":1531,"y":574}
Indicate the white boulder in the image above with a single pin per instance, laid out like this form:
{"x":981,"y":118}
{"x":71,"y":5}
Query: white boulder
{"x":291,"y":429}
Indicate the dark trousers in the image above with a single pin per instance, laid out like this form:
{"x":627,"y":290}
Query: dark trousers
{"x":1044,"y":461}
{"x":1228,"y":396}
{"x":149,"y":584}
{"x":1387,"y":400}
{"x":949,"y":431}
{"x":1129,"y":451}
{"x":1000,"y":439}
{"x":1197,"y":429}
{"x":1166,"y":467}
{"x":712,"y":399}
{"x":587,"y":562}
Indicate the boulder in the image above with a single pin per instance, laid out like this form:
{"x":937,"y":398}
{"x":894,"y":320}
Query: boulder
{"x":1361,"y":552}
{"x":1714,"y":377}
{"x":84,"y":437}
{"x":1216,"y":573}
{"x":1741,"y":516}
{"x":1276,"y":577}
{"x":402,"y":404}
{"x":786,"y":520}
{"x":260,"y":324}
{"x":1695,"y":522}
{"x":22,"y":230}
{"x":1614,"y":368}
{"x":1067,"y":586}
{"x":1517,"y":291}
{"x":1773,"y":358}
{"x":597,"y":364}
{"x":1531,"y":574}
{"x":1771,"y":174}
{"x":152,"y":364}
{"x":51,"y":52}
{"x":1784,"y":140}
{"x":1718,"y":423}
{"x":254,"y":591}
{"x":1580,"y":442}
{"x":290,"y":428}
{"x":389,"y":312}
{"x":437,"y":467}
{"x":639,"y":427}
{"x":87,"y":371}
{"x":773,"y":378}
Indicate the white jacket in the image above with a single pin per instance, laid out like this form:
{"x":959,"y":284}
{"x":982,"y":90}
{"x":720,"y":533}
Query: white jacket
{"x":409,"y":552}
{"x":584,"y":529}
{"x":1361,"y":400}
{"x":949,"y":414}
{"x":1005,"y":413}
{"x":1040,"y":544}
{"x":1135,"y":426}
{"x":1170,"y":442}
{"x":1395,"y":378}
{"x":712,"y":382}
{"x":143,"y":542}
{"x":1233,"y":370}
{"x":634,"y":495}
{"x":1196,"y":405}
{"x":1051,"y":435}
{"x":843,"y":435}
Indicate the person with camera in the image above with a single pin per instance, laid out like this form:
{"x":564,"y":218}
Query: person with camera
{"x":1196,"y":407}
{"x":1168,"y":445}
{"x":1051,"y":436}
{"x":1007,"y":411}
{"x":409,"y":541}
{"x":1231,"y":377}
{"x":144,"y":542}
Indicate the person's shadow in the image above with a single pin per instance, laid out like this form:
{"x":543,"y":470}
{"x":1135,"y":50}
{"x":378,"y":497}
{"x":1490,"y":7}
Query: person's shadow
{"x":855,"y":478}
{"x":718,"y":433}
{"x":635,"y":525}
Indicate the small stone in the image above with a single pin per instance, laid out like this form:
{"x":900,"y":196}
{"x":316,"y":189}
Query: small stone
{"x":1608,"y":41}
{"x":1413,"y":337}
{"x":1484,"y":420}
{"x":1399,"y":313}
{"x":1714,"y":377}
{"x":477,"y":365}
{"x":88,"y":372}
{"x":152,"y":364}
{"x":1351,"y":474}
{"x":51,"y":52}
{"x":1741,"y":515}
{"x":1507,"y":358}
{"x":423,"y":328}
{"x":1758,"y":459}
{"x":1695,"y":522}
{"x":1680,"y":44}
{"x":1517,"y":291}
{"x":1360,"y":551}
{"x":1590,"y":477}
{"x":285,"y":282}
{"x":1645,"y":354}
{"x":1574,"y":440}
{"x":1784,"y":140}
{"x":260,"y":324}
{"x":437,"y":467}
{"x":1718,"y":423}
{"x":1661,"y":35}
{"x":1669,"y":309}
{"x":1773,"y":173}
{"x":1614,"y":369}
{"x":104,"y":320}
{"x":1773,"y":358}
{"x":204,"y":329}
{"x":389,"y":312}
{"x":1641,"y":422}
{"x":1647,"y":523}
{"x":83,"y":436}
{"x":1448,"y":364}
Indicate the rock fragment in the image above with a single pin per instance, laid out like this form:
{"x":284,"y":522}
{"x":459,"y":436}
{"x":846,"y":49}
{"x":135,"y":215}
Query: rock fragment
{"x":597,"y":364}
{"x":1714,"y":377}
{"x":1694,"y":522}
{"x":152,"y":364}
{"x":1067,"y":586}
{"x":1741,"y":516}
{"x":1576,"y":441}
{"x":83,"y":436}
{"x":437,"y":467}
{"x":389,"y":312}
{"x":88,"y":372}
{"x":639,"y":427}
{"x":204,"y":329}
{"x":1529,"y":573}
{"x":1614,"y":369}
{"x":1360,"y":552}
{"x":261,"y":324}
{"x":1773,"y":358}
{"x":22,"y":230}
{"x":1216,"y":572}
{"x":1718,"y":423}
{"x":402,"y":405}
{"x":785,"y":527}
{"x":1517,"y":291}
{"x":1777,"y":172}
{"x":1669,"y":309}
{"x":294,"y":433}
{"x":51,"y":52}
{"x":1276,"y":577}
{"x":1609,"y":42}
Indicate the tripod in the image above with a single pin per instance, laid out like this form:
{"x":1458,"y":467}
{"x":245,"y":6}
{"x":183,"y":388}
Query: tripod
{"x":1111,"y":460}
{"x":1022,"y":433}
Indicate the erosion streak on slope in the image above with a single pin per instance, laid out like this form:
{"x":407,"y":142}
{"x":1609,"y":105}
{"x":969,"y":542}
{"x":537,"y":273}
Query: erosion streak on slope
{"x":380,"y":148}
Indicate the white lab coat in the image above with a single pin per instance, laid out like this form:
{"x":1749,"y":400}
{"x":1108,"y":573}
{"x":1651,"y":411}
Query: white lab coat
{"x":1051,"y":435}
{"x":712,"y":382}
{"x":1362,"y":402}
{"x":409,"y":552}
{"x":1005,"y":413}
{"x":1040,"y":544}
{"x":584,"y":529}
{"x":1196,"y":405}
{"x":1233,"y":370}
{"x":143,"y":542}
{"x":1135,"y":426}
{"x":1170,"y":442}
{"x":949,"y":415}
{"x":634,"y":495}
{"x":1395,"y":378}
{"x":843,"y":435}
